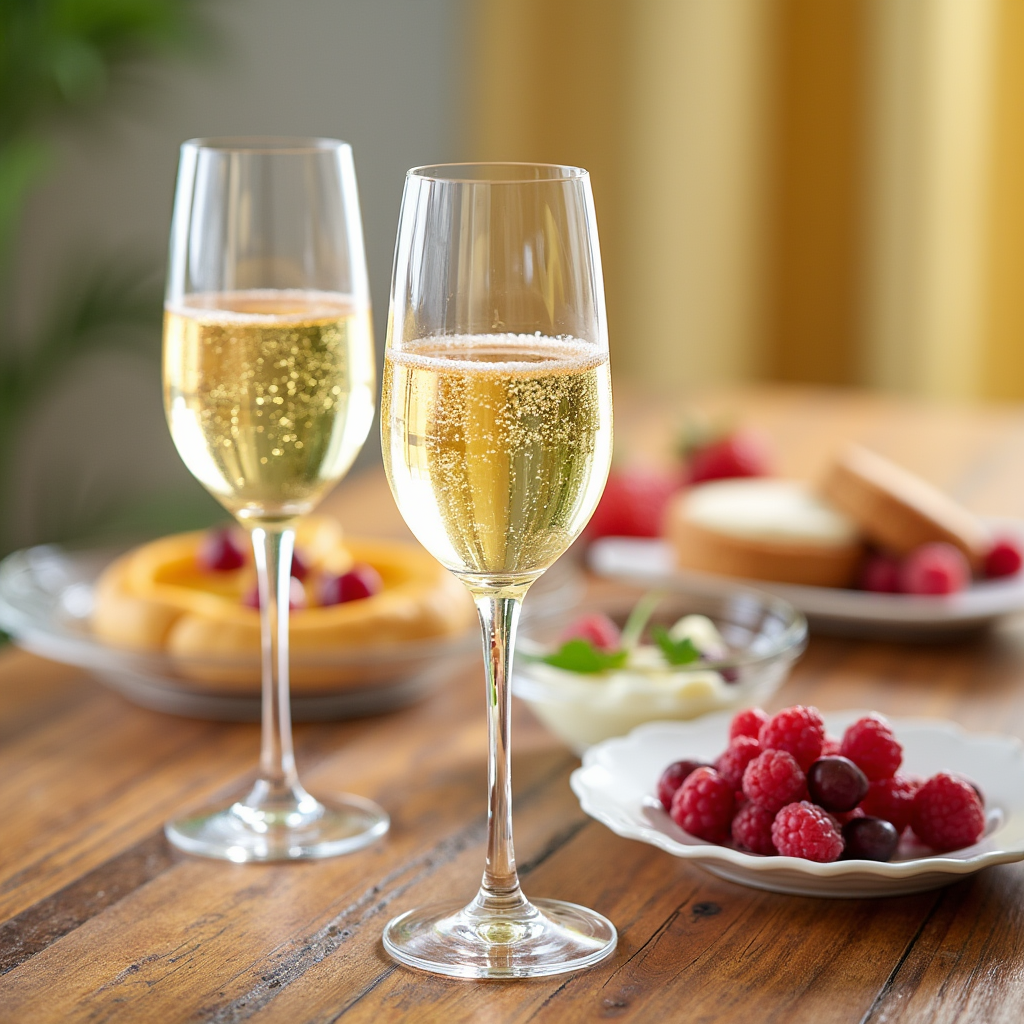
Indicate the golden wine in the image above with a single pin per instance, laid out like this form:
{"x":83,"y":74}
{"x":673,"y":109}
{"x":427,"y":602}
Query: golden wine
{"x":496,"y":447}
{"x":269,"y":395}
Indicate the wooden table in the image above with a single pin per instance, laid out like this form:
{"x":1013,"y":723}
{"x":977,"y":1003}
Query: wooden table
{"x":105,"y":922}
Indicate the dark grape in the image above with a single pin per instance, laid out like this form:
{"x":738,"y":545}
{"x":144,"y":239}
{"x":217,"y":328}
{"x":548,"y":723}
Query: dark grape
{"x":869,"y":839}
{"x":673,"y":777}
{"x":836,"y":783}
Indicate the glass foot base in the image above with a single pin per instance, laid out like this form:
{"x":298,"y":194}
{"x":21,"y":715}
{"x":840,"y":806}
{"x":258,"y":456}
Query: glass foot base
{"x":531,"y":941}
{"x":301,"y":831}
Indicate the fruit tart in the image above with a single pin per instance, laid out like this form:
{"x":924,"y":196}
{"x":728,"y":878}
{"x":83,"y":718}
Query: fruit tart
{"x":193,"y":596}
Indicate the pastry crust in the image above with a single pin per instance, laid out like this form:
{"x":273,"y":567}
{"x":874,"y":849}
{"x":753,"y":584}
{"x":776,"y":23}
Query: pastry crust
{"x":154,"y":598}
{"x":899,"y":511}
{"x":760,"y":547}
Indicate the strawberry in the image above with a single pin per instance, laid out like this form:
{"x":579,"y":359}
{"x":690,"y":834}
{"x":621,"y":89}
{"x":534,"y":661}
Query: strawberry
{"x":633,"y":503}
{"x":741,"y":453}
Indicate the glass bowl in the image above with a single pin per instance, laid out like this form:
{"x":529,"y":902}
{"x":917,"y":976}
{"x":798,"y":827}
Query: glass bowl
{"x":46,"y":600}
{"x":763,"y":635}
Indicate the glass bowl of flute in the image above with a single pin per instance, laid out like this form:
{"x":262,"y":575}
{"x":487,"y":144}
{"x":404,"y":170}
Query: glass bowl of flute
{"x":629,"y":657}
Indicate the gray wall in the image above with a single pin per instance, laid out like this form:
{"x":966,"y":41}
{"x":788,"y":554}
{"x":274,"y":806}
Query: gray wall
{"x":381,"y":74}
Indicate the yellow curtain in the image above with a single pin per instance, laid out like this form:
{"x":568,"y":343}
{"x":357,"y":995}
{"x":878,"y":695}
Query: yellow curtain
{"x":806,"y":190}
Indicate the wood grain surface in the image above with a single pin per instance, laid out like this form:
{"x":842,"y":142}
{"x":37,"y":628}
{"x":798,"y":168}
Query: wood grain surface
{"x":100,"y":920}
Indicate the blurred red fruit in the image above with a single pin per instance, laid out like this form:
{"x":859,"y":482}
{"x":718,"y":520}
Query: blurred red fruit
{"x":219,"y":551}
{"x":633,"y":503}
{"x":880,"y":574}
{"x":934,"y":569}
{"x":595,"y":627}
{"x":743,"y":453}
{"x":300,"y":567}
{"x":360,"y":581}
{"x":1004,"y":559}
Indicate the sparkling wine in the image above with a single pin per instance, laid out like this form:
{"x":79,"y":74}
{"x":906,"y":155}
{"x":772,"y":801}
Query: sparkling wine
{"x":269,"y":395}
{"x":496,"y":447}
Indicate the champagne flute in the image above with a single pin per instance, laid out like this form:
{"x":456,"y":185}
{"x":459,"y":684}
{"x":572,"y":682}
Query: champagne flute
{"x":268,"y":389}
{"x":496,"y":425}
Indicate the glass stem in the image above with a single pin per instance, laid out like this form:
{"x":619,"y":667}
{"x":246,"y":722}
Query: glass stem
{"x":279,"y":781}
{"x":499,"y":889}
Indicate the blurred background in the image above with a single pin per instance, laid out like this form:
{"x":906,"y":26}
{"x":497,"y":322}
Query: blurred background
{"x":827,"y":192}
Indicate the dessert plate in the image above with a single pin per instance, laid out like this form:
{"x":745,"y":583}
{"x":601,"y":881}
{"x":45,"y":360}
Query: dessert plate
{"x":616,"y":787}
{"x":46,"y":600}
{"x":649,"y":562}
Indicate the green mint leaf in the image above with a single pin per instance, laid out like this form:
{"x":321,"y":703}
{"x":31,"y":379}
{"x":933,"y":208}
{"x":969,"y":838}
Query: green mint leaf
{"x":677,"y":652}
{"x":582,"y":656}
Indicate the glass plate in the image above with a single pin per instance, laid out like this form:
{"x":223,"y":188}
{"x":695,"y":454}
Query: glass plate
{"x":46,"y":599}
{"x":617,"y":781}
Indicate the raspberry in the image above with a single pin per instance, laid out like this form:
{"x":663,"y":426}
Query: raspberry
{"x":703,"y":805}
{"x":774,"y":779}
{"x":880,"y":574}
{"x":798,"y":730}
{"x":734,"y":761}
{"x":747,"y":723}
{"x":830,"y":746}
{"x":359,"y":582}
{"x":947,"y":813}
{"x":752,"y":828}
{"x":803,"y":830}
{"x":673,"y":777}
{"x":891,"y":800}
{"x":219,"y":551}
{"x":936,"y":568}
{"x":595,"y":627}
{"x":870,"y":744}
{"x":1003,"y":559}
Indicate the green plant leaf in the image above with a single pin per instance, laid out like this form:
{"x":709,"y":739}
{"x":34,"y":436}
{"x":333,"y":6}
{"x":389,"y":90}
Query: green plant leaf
{"x":578,"y":655}
{"x":677,"y":652}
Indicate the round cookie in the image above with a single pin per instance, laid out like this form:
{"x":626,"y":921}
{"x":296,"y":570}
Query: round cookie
{"x":763,"y":529}
{"x":899,"y":511}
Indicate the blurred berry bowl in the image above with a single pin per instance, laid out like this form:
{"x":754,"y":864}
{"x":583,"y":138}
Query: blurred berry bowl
{"x":739,"y":662}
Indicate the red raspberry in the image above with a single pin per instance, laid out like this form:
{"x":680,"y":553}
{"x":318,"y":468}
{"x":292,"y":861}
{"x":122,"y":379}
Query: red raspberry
{"x":752,"y":828}
{"x":1003,"y":559}
{"x":595,"y":627}
{"x":734,"y":761}
{"x":220,"y":551}
{"x":880,"y":573}
{"x":774,"y":779}
{"x":359,"y":582}
{"x":798,"y":730}
{"x":633,"y":503}
{"x":673,"y":777}
{"x":703,"y":805}
{"x":870,"y":744}
{"x":892,"y":800}
{"x":742,"y":453}
{"x":936,"y":568}
{"x":831,"y":745}
{"x":947,"y":813}
{"x":747,"y":723}
{"x":804,"y":830}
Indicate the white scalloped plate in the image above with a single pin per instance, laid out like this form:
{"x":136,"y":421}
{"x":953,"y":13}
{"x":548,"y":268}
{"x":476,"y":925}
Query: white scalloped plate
{"x":617,"y":781}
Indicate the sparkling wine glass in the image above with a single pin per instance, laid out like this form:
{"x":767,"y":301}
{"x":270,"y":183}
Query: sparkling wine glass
{"x":496,"y":424}
{"x":268,"y":389}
